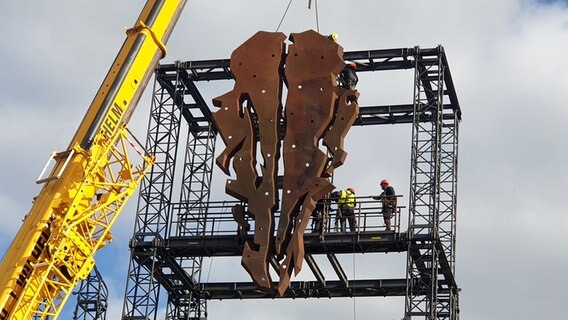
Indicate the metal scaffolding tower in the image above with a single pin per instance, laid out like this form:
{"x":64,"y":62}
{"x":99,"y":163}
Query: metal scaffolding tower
{"x":146,"y":272}
{"x":92,"y":298}
{"x":431,"y":289}
{"x":171,"y":238}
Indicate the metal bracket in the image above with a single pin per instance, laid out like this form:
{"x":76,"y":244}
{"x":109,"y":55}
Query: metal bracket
{"x":69,"y":154}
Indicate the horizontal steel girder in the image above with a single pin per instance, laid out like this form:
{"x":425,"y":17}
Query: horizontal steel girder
{"x":191,"y":72}
{"x":229,"y":245}
{"x":307,"y":289}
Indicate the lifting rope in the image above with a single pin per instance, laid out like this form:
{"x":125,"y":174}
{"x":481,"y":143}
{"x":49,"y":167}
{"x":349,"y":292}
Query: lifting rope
{"x":284,"y":15}
{"x":317,"y":14}
{"x":354,"y":297}
{"x":309,"y":7}
{"x":214,"y":232}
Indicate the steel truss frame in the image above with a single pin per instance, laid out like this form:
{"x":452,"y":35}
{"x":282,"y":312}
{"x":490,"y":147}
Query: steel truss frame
{"x":154,"y":205}
{"x":92,"y":298}
{"x":169,"y":239}
{"x":431,"y":289}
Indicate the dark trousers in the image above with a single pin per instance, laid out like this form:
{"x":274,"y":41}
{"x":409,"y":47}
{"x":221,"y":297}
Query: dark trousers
{"x":348,"y":214}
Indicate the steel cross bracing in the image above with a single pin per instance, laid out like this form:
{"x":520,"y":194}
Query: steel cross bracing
{"x":92,"y":298}
{"x":154,"y":202}
{"x":432,"y":291}
{"x":189,"y":218}
{"x":159,"y":217}
{"x":164,"y":250}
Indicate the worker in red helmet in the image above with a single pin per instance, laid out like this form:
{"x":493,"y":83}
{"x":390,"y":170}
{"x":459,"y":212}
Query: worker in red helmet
{"x":348,"y":77}
{"x":388,"y":199}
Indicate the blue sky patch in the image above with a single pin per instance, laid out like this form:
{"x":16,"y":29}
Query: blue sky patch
{"x":552,"y":1}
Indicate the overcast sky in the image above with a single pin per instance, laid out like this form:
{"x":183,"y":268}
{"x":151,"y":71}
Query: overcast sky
{"x":507,"y":61}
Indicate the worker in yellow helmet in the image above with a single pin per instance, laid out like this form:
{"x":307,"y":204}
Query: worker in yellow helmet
{"x":333,"y":37}
{"x":345,"y":208}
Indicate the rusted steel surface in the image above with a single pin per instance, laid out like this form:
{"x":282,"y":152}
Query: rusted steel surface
{"x":317,"y":112}
{"x":312,"y":66}
{"x":256,"y":96}
{"x":346,"y":113}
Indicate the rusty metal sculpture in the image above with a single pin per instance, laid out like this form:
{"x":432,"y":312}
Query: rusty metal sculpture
{"x":250,"y":116}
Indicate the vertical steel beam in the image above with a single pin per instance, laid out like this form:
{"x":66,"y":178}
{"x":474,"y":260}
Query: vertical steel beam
{"x":431,"y":291}
{"x":448,"y":300}
{"x":190,"y":215}
{"x":422,"y":257}
{"x":154,"y":203}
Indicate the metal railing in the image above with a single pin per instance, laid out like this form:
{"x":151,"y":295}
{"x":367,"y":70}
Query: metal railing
{"x":368,"y":216}
{"x":218,"y":218}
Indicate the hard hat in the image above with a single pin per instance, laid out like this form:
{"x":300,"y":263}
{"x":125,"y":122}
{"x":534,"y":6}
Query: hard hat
{"x":351,"y":189}
{"x":353,"y":65}
{"x":334,"y":36}
{"x":384,"y":181}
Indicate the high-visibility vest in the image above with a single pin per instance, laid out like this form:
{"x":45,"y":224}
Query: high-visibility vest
{"x":347,"y":198}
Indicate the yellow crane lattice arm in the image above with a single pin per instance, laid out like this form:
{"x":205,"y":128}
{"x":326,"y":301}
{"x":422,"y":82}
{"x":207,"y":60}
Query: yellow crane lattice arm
{"x":93,"y":206}
{"x":89,"y":183}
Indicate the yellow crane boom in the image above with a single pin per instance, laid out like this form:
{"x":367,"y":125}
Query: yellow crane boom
{"x":88,"y":184}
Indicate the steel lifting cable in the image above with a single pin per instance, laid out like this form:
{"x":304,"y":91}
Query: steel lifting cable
{"x":309,"y":7}
{"x":283,"y":16}
{"x":353,"y":255}
{"x":223,"y":211}
{"x":317,"y":13}
{"x":317,"y":16}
